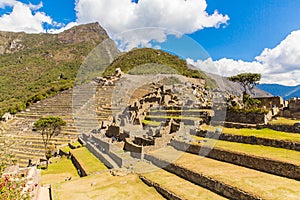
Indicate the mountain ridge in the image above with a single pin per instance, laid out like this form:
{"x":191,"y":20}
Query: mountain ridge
{"x":286,"y":92}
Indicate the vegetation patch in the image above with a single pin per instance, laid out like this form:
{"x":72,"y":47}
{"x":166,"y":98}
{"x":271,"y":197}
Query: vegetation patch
{"x":87,"y":160}
{"x":137,"y":59}
{"x":58,"y":170}
{"x":283,"y":121}
{"x":263,"y":133}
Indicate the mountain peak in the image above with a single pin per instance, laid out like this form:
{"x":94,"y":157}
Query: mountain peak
{"x":82,"y":33}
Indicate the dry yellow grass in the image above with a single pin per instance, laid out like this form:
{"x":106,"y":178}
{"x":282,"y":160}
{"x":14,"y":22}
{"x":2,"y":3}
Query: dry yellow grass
{"x":107,"y":187}
{"x":179,"y":186}
{"x":267,"y":186}
{"x":279,"y":154}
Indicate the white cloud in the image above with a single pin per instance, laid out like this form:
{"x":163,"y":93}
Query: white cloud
{"x":284,"y":57}
{"x":23,"y":19}
{"x":63,"y":27}
{"x":5,"y":3}
{"x":118,"y":16}
{"x":227,"y":67}
{"x":278,"y":65}
{"x":35,"y":7}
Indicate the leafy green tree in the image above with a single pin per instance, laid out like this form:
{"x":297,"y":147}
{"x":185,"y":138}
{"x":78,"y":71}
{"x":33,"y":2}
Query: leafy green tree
{"x":247,"y":81}
{"x":49,"y":127}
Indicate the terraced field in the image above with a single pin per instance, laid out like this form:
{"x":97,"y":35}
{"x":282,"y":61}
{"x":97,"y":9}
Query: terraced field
{"x":184,"y":176}
{"x":29,"y":145}
{"x":229,"y":180}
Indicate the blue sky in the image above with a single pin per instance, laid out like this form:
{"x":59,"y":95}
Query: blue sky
{"x":243,"y":35}
{"x":253,"y":26}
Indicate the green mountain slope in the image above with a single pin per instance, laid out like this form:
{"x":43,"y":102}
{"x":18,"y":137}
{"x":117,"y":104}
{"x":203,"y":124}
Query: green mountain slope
{"x":147,"y":60}
{"x":35,"y":66}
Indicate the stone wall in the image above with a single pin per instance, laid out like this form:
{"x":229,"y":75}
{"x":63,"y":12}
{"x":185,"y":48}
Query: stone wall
{"x":247,"y":118}
{"x":116,"y":158}
{"x":163,"y":191}
{"x":106,"y":146}
{"x":294,"y":105}
{"x":270,"y":102}
{"x":129,"y":146}
{"x":78,"y":166}
{"x":284,"y":128}
{"x":204,"y":181}
{"x":94,"y":150}
{"x":250,"y":161}
{"x":253,"y":140}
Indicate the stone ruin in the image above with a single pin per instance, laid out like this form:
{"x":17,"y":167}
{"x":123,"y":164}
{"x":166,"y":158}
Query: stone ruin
{"x":132,"y":133}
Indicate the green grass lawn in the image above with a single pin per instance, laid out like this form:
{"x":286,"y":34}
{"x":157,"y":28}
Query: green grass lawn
{"x":66,"y":149}
{"x":87,"y":160}
{"x":280,"y":154}
{"x":58,"y":170}
{"x":284,"y":121}
{"x":76,"y":144}
{"x":263,"y":133}
{"x":148,"y":122}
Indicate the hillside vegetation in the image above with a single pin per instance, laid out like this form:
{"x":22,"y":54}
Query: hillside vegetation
{"x":153,"y":61}
{"x":35,"y":66}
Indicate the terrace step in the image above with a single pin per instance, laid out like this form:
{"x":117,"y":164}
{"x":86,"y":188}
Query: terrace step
{"x":231,"y":181}
{"x":172,"y":186}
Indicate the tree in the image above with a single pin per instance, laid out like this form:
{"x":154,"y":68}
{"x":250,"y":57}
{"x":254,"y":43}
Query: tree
{"x":49,"y":127}
{"x":247,"y":80}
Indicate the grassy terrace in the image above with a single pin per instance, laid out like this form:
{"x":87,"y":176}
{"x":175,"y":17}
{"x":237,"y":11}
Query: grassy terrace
{"x":87,"y":160}
{"x":266,"y":186}
{"x":152,"y":123}
{"x":58,"y":170}
{"x":263,"y":133}
{"x":284,"y":121}
{"x":105,"y":186}
{"x":279,"y":154}
{"x":179,"y":186}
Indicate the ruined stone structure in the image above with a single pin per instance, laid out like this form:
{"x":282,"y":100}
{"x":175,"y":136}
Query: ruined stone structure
{"x":270,"y":102}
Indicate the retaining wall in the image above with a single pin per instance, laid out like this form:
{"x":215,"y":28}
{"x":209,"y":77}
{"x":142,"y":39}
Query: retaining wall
{"x":284,"y":128}
{"x":258,"y":163}
{"x":94,"y":150}
{"x":204,"y":181}
{"x":247,"y":118}
{"x":163,"y":191}
{"x":78,"y":166}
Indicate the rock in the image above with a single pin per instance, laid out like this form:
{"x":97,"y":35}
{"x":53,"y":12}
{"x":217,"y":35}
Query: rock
{"x":7,"y":116}
{"x":119,"y":73}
